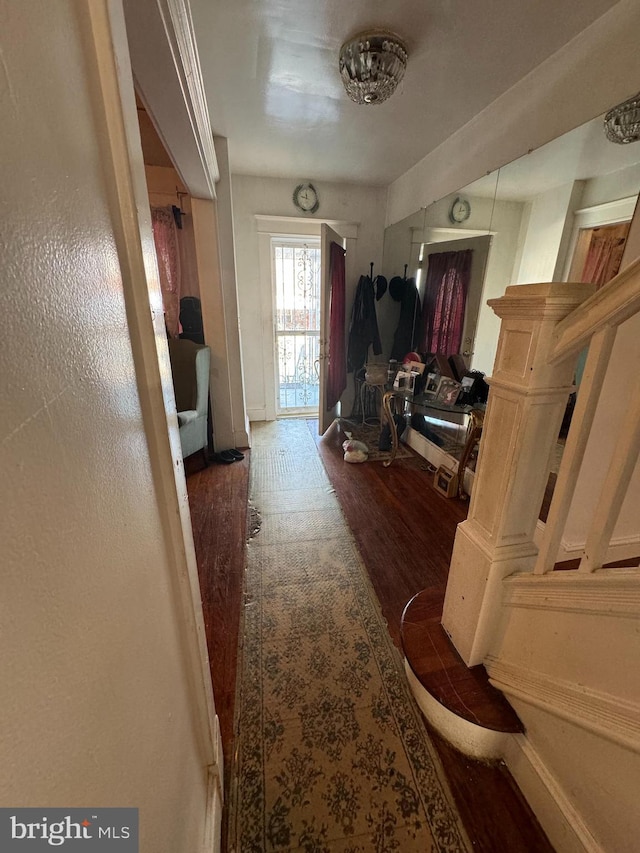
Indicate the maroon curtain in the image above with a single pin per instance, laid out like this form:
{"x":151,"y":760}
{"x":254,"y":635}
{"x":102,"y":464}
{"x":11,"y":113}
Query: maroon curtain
{"x":166,"y":242}
{"x":447,"y":284}
{"x":337,"y":370}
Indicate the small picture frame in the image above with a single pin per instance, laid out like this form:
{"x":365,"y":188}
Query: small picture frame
{"x":448,"y":391}
{"x":446,"y":482}
{"x":431,"y":385}
{"x":404,"y":381}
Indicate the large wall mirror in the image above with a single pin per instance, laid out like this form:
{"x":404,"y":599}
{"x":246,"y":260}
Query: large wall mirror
{"x":560,"y":213}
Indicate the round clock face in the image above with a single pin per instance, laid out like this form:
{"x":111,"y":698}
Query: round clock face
{"x":305,"y":198}
{"x":460,"y":210}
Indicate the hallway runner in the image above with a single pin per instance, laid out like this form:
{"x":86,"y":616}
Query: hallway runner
{"x":331,"y":751}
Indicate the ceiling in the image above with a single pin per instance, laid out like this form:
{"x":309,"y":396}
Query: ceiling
{"x":270,"y":72}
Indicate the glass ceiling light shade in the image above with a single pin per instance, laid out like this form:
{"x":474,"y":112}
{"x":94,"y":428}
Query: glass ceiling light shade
{"x":622,"y":123}
{"x":371,"y":66}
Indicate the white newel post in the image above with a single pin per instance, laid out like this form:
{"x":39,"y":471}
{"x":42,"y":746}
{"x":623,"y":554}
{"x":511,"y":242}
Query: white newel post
{"x":526,"y":405}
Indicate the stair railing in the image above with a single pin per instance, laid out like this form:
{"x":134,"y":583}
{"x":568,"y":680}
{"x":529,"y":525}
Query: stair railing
{"x":595,"y":324}
{"x":544,"y":327}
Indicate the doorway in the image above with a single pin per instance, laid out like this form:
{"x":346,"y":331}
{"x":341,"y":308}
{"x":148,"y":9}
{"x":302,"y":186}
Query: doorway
{"x":296,"y":266}
{"x":598,"y":253}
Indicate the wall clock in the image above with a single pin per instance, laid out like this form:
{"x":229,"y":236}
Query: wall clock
{"x":460,"y":210}
{"x":305,"y":198}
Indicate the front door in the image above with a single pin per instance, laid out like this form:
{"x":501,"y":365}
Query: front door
{"x":326,"y":415}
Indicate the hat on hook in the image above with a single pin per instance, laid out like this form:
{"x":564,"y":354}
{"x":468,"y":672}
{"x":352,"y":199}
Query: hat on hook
{"x":397,"y":287}
{"x":381,"y":287}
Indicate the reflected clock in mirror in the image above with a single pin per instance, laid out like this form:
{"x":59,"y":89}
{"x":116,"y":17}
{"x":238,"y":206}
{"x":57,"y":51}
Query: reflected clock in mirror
{"x":460,"y":210}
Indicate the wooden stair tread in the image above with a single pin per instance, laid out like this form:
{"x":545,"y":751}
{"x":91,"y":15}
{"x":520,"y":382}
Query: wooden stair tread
{"x":464,"y":690}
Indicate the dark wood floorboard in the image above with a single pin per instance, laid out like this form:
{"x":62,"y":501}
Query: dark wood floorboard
{"x":405,"y":531}
{"x":218,"y":497}
{"x":437,"y":665}
{"x":404,"y":527}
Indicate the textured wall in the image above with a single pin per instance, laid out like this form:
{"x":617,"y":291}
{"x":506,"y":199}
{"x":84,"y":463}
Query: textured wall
{"x":96,"y":705}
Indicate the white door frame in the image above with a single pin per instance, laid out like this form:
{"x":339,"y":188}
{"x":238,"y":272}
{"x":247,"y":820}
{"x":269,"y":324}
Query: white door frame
{"x":114,"y":102}
{"x":281,"y":227}
{"x":294,"y":241}
{"x":609,"y":213}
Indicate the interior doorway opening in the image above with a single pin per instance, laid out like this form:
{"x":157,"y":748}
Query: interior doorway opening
{"x":296,"y":268}
{"x":598,"y":253}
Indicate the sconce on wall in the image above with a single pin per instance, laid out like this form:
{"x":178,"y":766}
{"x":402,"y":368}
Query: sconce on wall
{"x":622,"y":123}
{"x":371,"y":66}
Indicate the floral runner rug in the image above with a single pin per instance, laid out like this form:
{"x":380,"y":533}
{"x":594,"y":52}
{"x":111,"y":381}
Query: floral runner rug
{"x":331,"y":751}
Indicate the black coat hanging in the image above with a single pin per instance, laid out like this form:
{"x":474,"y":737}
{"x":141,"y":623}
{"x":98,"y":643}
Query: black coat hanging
{"x":363,"y":329}
{"x":405,"y":339}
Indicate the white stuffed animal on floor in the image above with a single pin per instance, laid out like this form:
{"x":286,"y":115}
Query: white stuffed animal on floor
{"x":355,"y":451}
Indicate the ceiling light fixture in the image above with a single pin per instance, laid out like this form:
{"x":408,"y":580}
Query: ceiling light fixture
{"x":622,"y":123}
{"x":371,"y":66}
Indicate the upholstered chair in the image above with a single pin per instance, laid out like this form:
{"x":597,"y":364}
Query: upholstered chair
{"x":190,"y":367}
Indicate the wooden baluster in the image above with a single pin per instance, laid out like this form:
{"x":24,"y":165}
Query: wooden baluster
{"x":581,"y":422}
{"x":621,"y":468}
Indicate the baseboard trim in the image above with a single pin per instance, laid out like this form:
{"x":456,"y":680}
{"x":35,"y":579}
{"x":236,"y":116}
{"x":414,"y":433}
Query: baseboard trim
{"x":474,"y":741}
{"x":212,"y":836}
{"x":562,"y":823}
{"x":435,"y":455}
{"x":241,"y":438}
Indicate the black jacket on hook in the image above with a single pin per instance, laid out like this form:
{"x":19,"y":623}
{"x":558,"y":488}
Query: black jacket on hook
{"x":363,"y":329}
{"x":407,"y":332}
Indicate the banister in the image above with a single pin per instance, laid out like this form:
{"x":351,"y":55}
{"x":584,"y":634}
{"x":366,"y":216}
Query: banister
{"x":582,"y":421}
{"x":614,"y":303}
{"x":616,"y":483}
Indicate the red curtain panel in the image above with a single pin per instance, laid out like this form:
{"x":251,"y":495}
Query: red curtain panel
{"x":166,"y":242}
{"x":337,"y":371}
{"x":446,"y":288}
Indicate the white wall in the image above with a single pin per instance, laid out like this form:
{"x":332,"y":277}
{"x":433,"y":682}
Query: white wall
{"x":620,"y":184}
{"x":231,"y":364}
{"x":99,"y":706}
{"x":549,"y":225}
{"x":577,"y":692}
{"x":273,"y":196}
{"x":594,"y":71}
{"x":505,"y":228}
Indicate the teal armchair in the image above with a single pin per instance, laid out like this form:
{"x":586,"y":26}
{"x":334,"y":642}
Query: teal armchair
{"x":190,"y":368}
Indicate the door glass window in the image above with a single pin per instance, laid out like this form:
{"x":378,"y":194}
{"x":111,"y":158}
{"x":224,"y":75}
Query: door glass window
{"x":296,"y":278}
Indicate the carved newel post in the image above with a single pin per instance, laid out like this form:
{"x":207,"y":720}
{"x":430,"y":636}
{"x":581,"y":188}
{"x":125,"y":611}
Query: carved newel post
{"x":526,"y":405}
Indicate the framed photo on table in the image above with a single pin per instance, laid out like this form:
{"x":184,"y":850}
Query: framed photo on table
{"x":448,"y":391}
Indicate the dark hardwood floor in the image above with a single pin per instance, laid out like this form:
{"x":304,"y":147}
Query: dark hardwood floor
{"x":439,"y":668}
{"x":218,"y":498}
{"x":405,"y":531}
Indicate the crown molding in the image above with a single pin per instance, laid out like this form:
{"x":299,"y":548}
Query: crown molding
{"x":178,"y":24}
{"x":168,"y":80}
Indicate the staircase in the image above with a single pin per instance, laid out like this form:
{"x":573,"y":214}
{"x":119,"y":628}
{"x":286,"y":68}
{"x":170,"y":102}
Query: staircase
{"x":562,"y":645}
